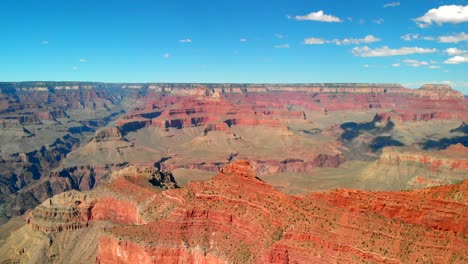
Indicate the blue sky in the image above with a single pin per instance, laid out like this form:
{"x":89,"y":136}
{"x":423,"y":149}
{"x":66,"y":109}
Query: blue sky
{"x":282,"y":41}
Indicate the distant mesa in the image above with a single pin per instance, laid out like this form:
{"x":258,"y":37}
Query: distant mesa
{"x":439,"y":90}
{"x":436,"y":87}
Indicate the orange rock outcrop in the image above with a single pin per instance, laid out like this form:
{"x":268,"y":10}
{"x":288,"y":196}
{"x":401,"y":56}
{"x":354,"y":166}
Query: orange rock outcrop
{"x":237,"y":218}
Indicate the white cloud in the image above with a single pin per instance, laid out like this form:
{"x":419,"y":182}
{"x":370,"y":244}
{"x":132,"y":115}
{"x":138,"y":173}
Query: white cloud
{"x":83,"y":60}
{"x":284,"y":46}
{"x":455,"y":51}
{"x":393,"y":4}
{"x":409,"y":37}
{"x":386,"y":51}
{"x":454,"y":14}
{"x":415,"y":63}
{"x":313,"y":41}
{"x":454,"y":38}
{"x":346,"y":41}
{"x":243,"y":40}
{"x":44,"y":42}
{"x":319,"y":16}
{"x":365,"y":65}
{"x":366,"y":39}
{"x":457,"y":60}
{"x":379,"y":21}
{"x":166,"y":55}
{"x":185,"y":41}
{"x":412,"y":36}
{"x":280,"y":36}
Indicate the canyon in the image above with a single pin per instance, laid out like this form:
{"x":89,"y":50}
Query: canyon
{"x":232,"y":173}
{"x":237,"y":218}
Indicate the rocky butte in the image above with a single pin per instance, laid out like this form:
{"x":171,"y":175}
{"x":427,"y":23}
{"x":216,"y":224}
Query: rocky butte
{"x":232,"y":173}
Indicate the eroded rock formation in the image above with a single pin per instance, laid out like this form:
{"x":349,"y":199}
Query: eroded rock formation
{"x":237,"y":218}
{"x":54,"y":139}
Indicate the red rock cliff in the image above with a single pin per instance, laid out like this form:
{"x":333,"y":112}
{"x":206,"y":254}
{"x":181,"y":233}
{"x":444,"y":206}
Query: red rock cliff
{"x":236,"y":218}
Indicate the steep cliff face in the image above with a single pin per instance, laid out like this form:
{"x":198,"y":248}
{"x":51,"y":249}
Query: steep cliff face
{"x":408,"y":168}
{"x":32,"y":102}
{"x":108,"y":134}
{"x":41,"y":123}
{"x":236,"y":218}
{"x":442,"y":208}
{"x":66,"y":211}
{"x":408,"y":116}
{"x":192,"y":112}
{"x":298,"y":165}
{"x":22,"y":172}
{"x":253,"y":105}
{"x":438,"y":91}
{"x":453,"y":158}
{"x":262,"y":167}
{"x":118,"y":201}
{"x":114,"y":251}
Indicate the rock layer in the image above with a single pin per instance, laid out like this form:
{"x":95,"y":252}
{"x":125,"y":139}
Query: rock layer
{"x":236,"y":218}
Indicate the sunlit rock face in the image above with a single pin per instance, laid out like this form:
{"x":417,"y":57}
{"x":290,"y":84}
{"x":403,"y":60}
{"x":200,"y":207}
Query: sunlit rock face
{"x":236,"y":218}
{"x":122,"y":149}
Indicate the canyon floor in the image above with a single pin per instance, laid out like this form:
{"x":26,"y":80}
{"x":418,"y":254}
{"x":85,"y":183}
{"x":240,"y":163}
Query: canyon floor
{"x":227,"y":173}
